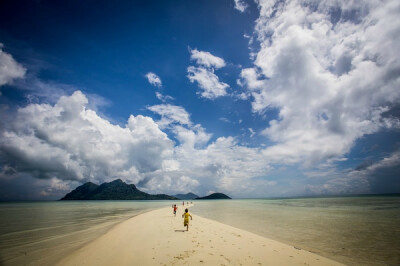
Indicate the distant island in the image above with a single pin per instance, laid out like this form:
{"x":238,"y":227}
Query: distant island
{"x":187,"y":196}
{"x":115,"y":190}
{"x":214,"y":196}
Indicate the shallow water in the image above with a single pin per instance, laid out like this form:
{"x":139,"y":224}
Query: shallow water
{"x":354,"y":231}
{"x":351,"y":230}
{"x":41,"y":233}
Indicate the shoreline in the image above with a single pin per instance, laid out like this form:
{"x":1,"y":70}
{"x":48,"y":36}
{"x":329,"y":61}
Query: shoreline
{"x":47,"y":249}
{"x":157,"y":237}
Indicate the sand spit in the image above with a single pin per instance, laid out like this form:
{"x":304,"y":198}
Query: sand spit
{"x":159,"y":238}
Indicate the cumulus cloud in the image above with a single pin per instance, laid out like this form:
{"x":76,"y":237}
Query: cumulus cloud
{"x":208,"y":81}
{"x":170,"y":114}
{"x":207,"y":59}
{"x":204,"y":74}
{"x":154,"y":79}
{"x":191,"y":138}
{"x":56,"y":147}
{"x":67,"y":141}
{"x":331,"y":69}
{"x":9,"y":68}
{"x":223,"y":164}
{"x":240,"y":5}
{"x":66,"y":144}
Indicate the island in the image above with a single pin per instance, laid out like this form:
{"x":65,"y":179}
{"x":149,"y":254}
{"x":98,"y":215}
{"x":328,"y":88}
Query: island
{"x":187,"y":196}
{"x":115,"y":190}
{"x":214,"y":196}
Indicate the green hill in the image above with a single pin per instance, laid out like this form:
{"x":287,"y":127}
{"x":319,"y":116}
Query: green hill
{"x":187,"y":196}
{"x":214,"y":196}
{"x":115,"y":190}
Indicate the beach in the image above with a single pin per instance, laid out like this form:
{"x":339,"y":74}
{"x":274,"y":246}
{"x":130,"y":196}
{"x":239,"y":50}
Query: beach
{"x":158,"y":237}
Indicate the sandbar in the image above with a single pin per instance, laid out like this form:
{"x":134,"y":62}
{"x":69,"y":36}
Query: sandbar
{"x":159,"y":238}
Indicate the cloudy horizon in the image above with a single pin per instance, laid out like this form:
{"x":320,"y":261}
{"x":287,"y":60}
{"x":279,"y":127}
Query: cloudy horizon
{"x":248,"y":98}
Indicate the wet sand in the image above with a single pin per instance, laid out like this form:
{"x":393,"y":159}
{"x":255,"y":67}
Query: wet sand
{"x":159,"y":238}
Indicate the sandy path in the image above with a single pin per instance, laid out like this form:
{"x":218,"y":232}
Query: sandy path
{"x":158,"y":238}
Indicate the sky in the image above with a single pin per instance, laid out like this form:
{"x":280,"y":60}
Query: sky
{"x":249,"y":98}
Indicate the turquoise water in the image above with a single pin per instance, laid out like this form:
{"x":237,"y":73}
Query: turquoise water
{"x":41,"y":233}
{"x":351,"y":230}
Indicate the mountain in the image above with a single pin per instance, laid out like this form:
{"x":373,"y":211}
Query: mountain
{"x":81,"y":192}
{"x":187,"y":196}
{"x":214,"y":196}
{"x":115,"y":190}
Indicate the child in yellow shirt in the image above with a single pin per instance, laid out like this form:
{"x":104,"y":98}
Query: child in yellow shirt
{"x":186,"y":219}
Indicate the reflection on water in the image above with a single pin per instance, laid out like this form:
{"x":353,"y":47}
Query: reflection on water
{"x":351,"y":230}
{"x":40,"y":233}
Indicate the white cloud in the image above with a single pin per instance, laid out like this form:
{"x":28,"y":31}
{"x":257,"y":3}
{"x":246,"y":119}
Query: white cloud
{"x":163,"y":98}
{"x":154,"y":79}
{"x":9,"y":68}
{"x":67,"y":141}
{"x":240,"y":5}
{"x":179,"y":184}
{"x":195,"y":137}
{"x":382,"y":173}
{"x":70,"y":143}
{"x":224,"y":119}
{"x":369,"y":177}
{"x":170,"y":114}
{"x":206,"y":59}
{"x":252,"y":132}
{"x":204,"y":74}
{"x":208,"y":81}
{"x":330,"y":77}
{"x":223,"y":163}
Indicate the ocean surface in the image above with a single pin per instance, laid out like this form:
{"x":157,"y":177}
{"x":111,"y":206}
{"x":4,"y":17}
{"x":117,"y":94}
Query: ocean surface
{"x":351,"y":230}
{"x":41,"y":233}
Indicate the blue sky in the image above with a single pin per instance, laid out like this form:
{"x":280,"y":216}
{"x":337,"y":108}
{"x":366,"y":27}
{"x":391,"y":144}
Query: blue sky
{"x":249,"y":98}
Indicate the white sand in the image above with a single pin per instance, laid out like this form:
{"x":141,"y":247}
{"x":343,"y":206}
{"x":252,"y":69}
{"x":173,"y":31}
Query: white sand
{"x":158,"y":238}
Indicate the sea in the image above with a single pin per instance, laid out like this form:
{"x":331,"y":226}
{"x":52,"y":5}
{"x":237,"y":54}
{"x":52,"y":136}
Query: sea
{"x":41,"y":233}
{"x":352,"y":230}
